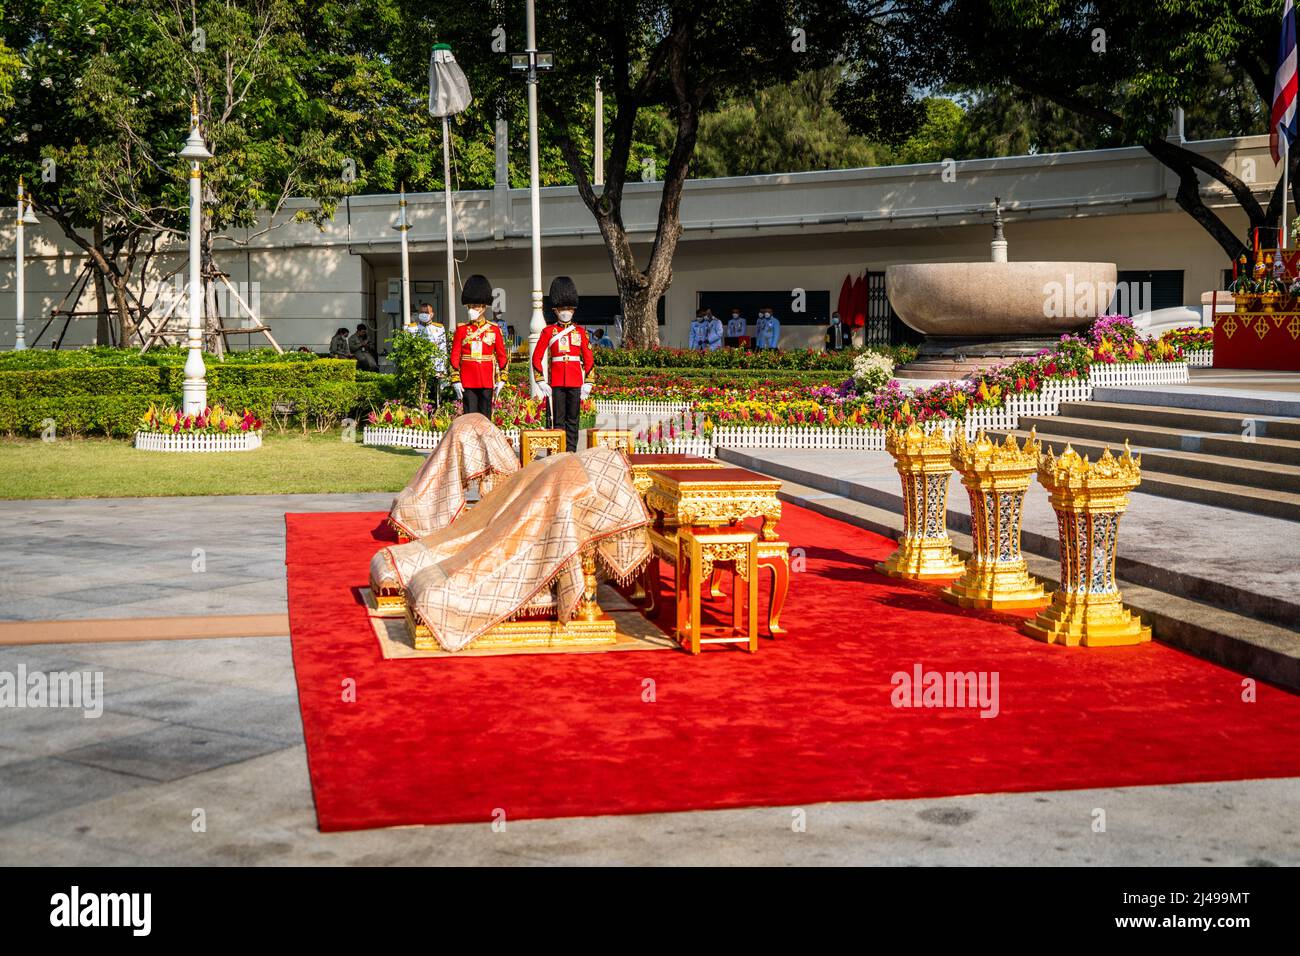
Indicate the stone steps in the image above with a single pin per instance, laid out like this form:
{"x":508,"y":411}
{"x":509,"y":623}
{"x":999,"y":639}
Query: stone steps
{"x":1205,"y":479}
{"x":1190,"y":452}
{"x":1257,"y":465}
{"x":1186,"y":419}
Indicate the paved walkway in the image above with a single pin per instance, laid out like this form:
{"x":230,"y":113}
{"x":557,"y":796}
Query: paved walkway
{"x":213,"y":725}
{"x":140,"y":557}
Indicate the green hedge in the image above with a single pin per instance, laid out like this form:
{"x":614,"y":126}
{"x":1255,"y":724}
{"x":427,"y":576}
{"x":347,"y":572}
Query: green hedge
{"x":112,"y":415}
{"x":84,"y":394}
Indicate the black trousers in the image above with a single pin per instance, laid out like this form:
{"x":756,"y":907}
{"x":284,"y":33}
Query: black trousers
{"x":479,"y":400}
{"x":566,"y":409}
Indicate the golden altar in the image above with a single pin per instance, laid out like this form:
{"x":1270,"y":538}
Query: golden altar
{"x":713,"y":498}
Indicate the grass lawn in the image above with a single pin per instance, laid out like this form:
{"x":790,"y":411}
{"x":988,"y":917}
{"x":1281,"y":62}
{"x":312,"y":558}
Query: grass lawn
{"x":285,"y":464}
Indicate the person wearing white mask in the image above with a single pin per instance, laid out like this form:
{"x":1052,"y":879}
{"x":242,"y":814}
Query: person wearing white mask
{"x":768,"y":329}
{"x":433,"y":331}
{"x":478,"y":351}
{"x":569,"y":349}
{"x":735,"y":329}
{"x":713,"y":331}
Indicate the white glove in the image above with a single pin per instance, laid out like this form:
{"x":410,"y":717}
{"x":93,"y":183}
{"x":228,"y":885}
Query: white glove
{"x":460,"y":391}
{"x":544,"y":389}
{"x":496,"y":389}
{"x":586,"y":391}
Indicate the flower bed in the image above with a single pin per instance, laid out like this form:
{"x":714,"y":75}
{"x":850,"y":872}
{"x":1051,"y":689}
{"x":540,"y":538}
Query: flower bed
{"x":410,"y":426}
{"x":213,"y":429}
{"x":848,"y":416}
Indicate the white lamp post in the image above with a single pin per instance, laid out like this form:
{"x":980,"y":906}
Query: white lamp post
{"x":534,"y":62}
{"x":195,"y":388}
{"x":25,"y":217}
{"x":404,"y":227}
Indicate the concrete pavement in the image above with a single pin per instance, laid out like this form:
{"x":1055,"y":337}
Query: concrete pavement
{"x":213,"y":726}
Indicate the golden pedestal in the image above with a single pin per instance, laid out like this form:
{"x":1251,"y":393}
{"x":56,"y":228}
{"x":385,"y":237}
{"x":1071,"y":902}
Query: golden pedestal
{"x":996,"y":478}
{"x":531,"y":440}
{"x":610,"y":438}
{"x":924,"y":465}
{"x":589,"y":626}
{"x":699,"y":549}
{"x":1088,"y":498}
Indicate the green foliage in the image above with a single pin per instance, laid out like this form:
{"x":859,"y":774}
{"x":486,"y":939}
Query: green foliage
{"x":414,"y":358}
{"x":84,"y":394}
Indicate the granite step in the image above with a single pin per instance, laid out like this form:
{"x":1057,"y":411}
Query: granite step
{"x":1264,"y":489}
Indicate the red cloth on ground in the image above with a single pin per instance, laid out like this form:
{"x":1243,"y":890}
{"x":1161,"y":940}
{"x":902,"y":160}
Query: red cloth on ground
{"x":809,"y":718}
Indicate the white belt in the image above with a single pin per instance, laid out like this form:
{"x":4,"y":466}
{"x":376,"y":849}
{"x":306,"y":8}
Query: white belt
{"x":566,"y":358}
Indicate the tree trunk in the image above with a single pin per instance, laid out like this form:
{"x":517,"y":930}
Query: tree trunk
{"x":103,"y":321}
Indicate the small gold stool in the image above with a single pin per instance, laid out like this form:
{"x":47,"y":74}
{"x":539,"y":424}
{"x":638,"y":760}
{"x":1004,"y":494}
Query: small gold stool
{"x":610,"y":438}
{"x":697,"y":551}
{"x":531,"y":440}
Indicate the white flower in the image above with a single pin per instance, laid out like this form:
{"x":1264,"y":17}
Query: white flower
{"x":47,"y":82}
{"x":871,"y":370}
{"x":20,"y":138}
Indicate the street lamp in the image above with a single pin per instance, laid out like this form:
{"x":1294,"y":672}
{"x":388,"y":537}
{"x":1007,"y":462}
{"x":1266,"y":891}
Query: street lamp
{"x":404,"y":227}
{"x":195,"y":388}
{"x":531,"y":62}
{"x":25,"y":217}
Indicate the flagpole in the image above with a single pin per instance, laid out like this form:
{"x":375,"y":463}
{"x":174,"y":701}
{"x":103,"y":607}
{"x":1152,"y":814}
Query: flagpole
{"x":1286,"y":189}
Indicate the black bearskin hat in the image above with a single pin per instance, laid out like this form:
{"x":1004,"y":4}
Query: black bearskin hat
{"x":564,"y":294}
{"x":477,"y":291}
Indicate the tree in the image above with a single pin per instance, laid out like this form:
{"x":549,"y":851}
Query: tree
{"x":684,"y":58}
{"x":1123,"y":65}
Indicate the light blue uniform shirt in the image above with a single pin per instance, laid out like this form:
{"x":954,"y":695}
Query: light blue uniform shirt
{"x":769,"y":332}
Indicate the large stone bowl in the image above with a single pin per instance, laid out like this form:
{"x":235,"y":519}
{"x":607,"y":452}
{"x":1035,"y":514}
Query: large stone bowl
{"x":974,"y":300}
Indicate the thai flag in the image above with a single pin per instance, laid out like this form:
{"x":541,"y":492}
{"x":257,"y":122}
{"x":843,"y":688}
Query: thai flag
{"x":1282,"y":122}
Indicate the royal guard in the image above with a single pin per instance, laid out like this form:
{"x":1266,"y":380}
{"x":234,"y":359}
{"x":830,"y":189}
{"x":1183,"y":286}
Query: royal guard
{"x":478,"y":352}
{"x":569,"y":350}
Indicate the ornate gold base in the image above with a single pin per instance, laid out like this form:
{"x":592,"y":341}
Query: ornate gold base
{"x":1002,"y":587}
{"x":389,"y":603}
{"x":1074,"y":623}
{"x":529,"y":633}
{"x":923,"y":559}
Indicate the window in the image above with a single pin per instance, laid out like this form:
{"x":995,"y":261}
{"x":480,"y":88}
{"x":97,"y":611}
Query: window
{"x":817,"y":305}
{"x":597,"y":311}
{"x":1146,"y":291}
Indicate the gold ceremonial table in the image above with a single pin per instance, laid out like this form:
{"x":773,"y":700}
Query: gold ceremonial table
{"x":696,"y":497}
{"x":643,"y":465}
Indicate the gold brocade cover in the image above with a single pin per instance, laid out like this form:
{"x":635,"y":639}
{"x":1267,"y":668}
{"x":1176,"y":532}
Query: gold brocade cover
{"x":541,"y":521}
{"x":473,"y":448}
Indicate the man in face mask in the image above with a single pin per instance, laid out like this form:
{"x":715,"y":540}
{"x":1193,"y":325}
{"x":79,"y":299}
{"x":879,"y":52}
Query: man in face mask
{"x":835,"y":337}
{"x":433,"y":331}
{"x":768,"y":329}
{"x":735,"y":329}
{"x":569,"y":349}
{"x":478,"y":352}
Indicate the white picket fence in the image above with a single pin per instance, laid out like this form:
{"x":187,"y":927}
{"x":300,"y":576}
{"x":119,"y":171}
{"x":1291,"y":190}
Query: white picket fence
{"x":1126,"y":374}
{"x":1047,"y":401}
{"x":420,"y":438}
{"x":197,"y":441}
{"x":1202,"y":359}
{"x":678,"y":446}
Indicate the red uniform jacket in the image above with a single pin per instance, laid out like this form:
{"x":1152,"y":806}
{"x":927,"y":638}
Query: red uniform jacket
{"x":570,"y":352}
{"x":476,"y":351}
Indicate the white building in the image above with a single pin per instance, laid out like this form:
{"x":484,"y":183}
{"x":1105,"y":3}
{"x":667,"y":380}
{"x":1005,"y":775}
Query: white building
{"x":769,"y":235}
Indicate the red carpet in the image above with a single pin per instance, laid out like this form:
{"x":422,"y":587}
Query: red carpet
{"x":808,"y":719}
